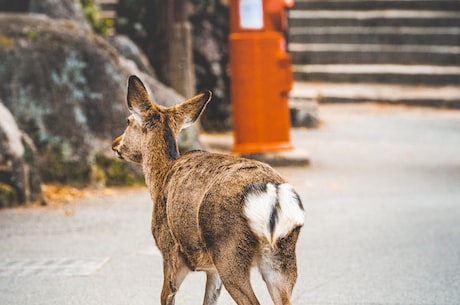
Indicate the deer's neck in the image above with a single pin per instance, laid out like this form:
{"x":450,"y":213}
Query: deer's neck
{"x":158,"y":155}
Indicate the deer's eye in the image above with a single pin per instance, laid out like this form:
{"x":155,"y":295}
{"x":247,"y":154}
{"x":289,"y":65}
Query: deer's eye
{"x":127,"y":121}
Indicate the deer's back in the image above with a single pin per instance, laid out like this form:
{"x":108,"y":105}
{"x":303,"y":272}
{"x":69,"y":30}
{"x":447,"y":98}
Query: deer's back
{"x":205,"y":197}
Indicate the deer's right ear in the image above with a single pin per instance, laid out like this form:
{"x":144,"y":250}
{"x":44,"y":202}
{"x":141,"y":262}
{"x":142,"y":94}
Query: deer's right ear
{"x":138,"y":98}
{"x":190,"y":110}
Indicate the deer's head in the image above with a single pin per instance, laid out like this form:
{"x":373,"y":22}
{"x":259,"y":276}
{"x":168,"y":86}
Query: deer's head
{"x":153,"y":127}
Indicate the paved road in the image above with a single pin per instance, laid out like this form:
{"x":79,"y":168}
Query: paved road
{"x":383,"y":224}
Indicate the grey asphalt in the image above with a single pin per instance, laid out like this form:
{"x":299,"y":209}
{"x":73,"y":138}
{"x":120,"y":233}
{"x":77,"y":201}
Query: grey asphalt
{"x":382,"y":199}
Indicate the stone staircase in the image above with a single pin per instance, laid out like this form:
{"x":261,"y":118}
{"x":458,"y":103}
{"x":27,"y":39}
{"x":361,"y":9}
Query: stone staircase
{"x":404,"y":51}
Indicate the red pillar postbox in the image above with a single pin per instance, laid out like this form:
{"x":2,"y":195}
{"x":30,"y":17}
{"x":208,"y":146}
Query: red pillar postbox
{"x":261,"y":75}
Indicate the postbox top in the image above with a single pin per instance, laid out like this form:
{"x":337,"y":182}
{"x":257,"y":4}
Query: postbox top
{"x":259,"y":15}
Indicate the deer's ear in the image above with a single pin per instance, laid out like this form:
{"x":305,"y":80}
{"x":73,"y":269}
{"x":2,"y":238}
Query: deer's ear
{"x":190,"y":110}
{"x":138,"y":98}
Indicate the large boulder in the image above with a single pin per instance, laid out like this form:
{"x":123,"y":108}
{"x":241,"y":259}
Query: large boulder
{"x":60,"y":9}
{"x":128,"y":49}
{"x":19,"y":178}
{"x":66,"y":88}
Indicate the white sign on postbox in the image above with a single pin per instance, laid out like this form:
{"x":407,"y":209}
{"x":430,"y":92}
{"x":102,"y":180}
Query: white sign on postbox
{"x":251,"y":14}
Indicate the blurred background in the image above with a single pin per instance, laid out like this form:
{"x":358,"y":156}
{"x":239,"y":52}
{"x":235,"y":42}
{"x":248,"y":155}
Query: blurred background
{"x":64,"y":65}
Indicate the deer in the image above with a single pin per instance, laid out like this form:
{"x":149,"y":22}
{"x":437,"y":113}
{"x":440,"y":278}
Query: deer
{"x":216,"y":213}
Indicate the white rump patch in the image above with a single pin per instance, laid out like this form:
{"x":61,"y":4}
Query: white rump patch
{"x":279,"y":205}
{"x":290,"y":215}
{"x":258,"y":209}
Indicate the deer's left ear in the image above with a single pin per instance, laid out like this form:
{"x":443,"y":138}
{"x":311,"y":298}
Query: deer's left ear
{"x":138,"y":98}
{"x":190,"y":110}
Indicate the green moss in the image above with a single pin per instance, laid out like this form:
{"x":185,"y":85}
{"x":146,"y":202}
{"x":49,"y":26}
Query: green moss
{"x":8,"y":196}
{"x":98,"y":175}
{"x":115,"y":172}
{"x":6,"y":42}
{"x":91,"y":12}
{"x":58,"y":168}
{"x":32,"y":35}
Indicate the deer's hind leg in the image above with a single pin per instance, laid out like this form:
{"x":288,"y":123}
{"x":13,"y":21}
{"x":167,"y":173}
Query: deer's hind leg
{"x":233,"y":260}
{"x":278,"y":268}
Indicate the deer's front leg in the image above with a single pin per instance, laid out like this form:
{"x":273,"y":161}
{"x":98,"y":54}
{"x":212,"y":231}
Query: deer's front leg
{"x":175,"y":270}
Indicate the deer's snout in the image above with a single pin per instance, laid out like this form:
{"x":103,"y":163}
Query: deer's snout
{"x":116,"y":146}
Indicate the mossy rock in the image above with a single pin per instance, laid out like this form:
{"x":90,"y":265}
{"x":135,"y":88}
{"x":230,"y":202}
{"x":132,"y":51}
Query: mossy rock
{"x":66,"y":88}
{"x":57,"y":165}
{"x":8,"y":196}
{"x":116,"y":172}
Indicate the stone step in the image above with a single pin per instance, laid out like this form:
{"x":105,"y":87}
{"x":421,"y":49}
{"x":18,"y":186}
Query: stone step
{"x":389,"y":74}
{"x":383,"y":41}
{"x":447,"y":36}
{"x":374,"y":54}
{"x":445,"y":96}
{"x":448,"y":5}
{"x":372,"y":18}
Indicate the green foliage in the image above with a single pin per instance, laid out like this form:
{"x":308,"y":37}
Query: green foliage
{"x":91,"y":12}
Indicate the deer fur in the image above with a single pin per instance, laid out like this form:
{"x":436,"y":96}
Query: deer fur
{"x":211,"y":212}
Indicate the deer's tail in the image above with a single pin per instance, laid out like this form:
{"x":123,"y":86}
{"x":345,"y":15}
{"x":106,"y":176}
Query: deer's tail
{"x":273,"y":210}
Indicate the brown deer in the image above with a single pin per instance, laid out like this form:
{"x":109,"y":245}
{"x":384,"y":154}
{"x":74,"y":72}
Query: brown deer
{"x":211,"y":212}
